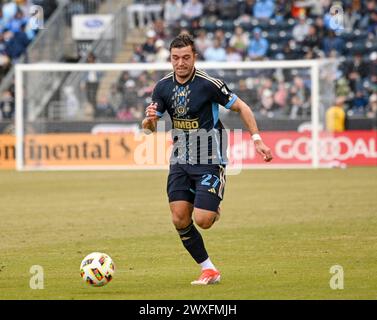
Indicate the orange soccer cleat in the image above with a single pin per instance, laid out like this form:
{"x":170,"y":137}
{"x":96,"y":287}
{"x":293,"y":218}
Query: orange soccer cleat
{"x":208,"y":276}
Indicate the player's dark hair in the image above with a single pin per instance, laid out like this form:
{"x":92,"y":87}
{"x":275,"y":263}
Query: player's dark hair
{"x":183,"y":40}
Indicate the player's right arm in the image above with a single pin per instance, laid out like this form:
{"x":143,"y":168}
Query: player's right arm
{"x":154,"y":111}
{"x":150,"y":121}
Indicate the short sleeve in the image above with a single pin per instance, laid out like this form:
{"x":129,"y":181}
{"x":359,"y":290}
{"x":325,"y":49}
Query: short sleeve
{"x":157,"y":97}
{"x":222,"y":95}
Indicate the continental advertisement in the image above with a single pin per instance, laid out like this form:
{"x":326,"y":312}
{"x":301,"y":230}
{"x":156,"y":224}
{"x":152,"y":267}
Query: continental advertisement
{"x":87,"y":150}
{"x":140,"y":151}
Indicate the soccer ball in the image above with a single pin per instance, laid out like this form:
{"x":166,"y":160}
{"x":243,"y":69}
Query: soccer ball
{"x":97,"y":269}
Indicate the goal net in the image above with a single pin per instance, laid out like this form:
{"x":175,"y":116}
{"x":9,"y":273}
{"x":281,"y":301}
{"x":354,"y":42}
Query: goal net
{"x":88,"y":116}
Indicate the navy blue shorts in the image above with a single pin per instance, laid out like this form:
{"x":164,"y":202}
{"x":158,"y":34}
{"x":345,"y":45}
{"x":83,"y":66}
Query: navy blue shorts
{"x":201,"y":184}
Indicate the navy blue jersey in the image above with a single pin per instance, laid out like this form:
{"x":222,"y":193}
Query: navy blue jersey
{"x":194,"y":109}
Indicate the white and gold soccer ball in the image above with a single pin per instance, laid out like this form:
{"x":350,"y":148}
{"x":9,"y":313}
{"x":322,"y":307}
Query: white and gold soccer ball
{"x":97,"y":269}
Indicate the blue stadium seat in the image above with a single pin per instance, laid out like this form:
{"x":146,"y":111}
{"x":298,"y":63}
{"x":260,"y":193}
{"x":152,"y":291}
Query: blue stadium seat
{"x":371,"y":46}
{"x":285,"y":35}
{"x":273,"y":35}
{"x":354,"y":47}
{"x":347,"y":36}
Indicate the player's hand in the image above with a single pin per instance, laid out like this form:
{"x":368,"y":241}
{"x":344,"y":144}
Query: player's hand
{"x":151,"y":112}
{"x":263,"y":150}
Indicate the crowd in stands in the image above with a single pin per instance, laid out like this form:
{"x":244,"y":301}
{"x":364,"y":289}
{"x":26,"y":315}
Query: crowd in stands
{"x":19,"y":24}
{"x":255,"y":30}
{"x":232,"y":30}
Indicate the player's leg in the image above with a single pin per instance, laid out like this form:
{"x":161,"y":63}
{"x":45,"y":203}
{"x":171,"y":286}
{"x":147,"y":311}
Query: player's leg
{"x":209,"y":193}
{"x":210,"y":182}
{"x":181,"y":210}
{"x":207,"y":210}
{"x":205,"y":213}
{"x":181,"y":207}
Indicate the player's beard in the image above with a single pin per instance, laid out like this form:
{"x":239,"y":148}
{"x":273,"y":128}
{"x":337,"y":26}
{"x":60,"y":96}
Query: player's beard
{"x":184,"y":73}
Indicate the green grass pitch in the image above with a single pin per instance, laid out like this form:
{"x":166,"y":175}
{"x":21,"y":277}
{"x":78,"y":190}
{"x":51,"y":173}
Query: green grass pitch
{"x":279,"y":234}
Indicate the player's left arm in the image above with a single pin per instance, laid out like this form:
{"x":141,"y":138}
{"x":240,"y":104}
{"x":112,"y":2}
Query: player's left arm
{"x":248,"y":118}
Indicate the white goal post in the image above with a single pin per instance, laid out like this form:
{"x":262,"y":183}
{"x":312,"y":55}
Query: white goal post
{"x":23,"y":70}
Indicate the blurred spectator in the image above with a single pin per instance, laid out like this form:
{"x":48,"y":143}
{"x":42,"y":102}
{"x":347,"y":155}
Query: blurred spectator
{"x":18,"y":43}
{"x":268,"y":106}
{"x":239,"y":40}
{"x":220,"y":35}
{"x":281,"y":95}
{"x":372,"y":26}
{"x":7,"y":105}
{"x":149,"y":49}
{"x":312,"y":40}
{"x":211,"y":10}
{"x":2,"y":22}
{"x":232,"y":54}
{"x":14,"y":24}
{"x":71,"y":104}
{"x":336,"y":116}
{"x":372,"y":68}
{"x":299,"y":89}
{"x":172,"y":12}
{"x":372,"y":107}
{"x":282,"y":10}
{"x":301,"y":30}
{"x":370,"y":6}
{"x":246,"y":7}
{"x":333,"y":42}
{"x":192,"y":9}
{"x":162,"y":54}
{"x":298,"y":8}
{"x":359,"y":103}
{"x":160,"y":29}
{"x":264,"y":9}
{"x":138,"y":54}
{"x":289,"y":50}
{"x":91,"y":81}
{"x":320,"y":28}
{"x":350,"y":18}
{"x":9,"y":10}
{"x":137,"y":111}
{"x":298,"y":108}
{"x":104,"y":109}
{"x":244,"y":93}
{"x":258,"y":46}
{"x":215,"y":52}
{"x":194,"y":27}
{"x":342,"y":88}
{"x":202,"y":42}
{"x":356,"y":71}
{"x":228,"y":9}
{"x":130,"y":94}
{"x":115,"y":97}
{"x":4,"y":58}
{"x":125,"y":76}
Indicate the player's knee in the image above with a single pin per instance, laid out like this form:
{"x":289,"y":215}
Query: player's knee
{"x":180,"y":220}
{"x":204,"y":221}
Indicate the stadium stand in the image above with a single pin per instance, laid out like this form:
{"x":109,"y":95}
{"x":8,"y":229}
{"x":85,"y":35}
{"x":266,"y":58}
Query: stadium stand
{"x":21,"y":41}
{"x":267,"y":30}
{"x":234,"y":30}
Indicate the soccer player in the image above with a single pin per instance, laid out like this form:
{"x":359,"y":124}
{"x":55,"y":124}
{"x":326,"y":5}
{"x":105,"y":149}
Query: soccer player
{"x":195,"y":187}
